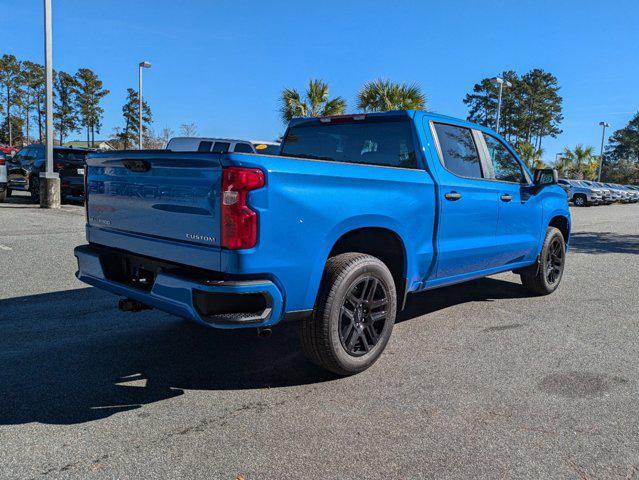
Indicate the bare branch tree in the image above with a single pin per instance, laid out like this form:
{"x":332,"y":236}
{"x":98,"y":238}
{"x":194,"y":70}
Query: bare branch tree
{"x":188,"y":129}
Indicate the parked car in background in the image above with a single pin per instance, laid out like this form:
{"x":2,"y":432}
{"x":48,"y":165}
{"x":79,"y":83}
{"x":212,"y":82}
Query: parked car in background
{"x":565,"y":185}
{"x":633,"y":195}
{"x":3,"y":177}
{"x":221,"y":145}
{"x":356,"y":212}
{"x":610,"y":196}
{"x":582,"y":195}
{"x":606,"y":193}
{"x":23,"y":170}
{"x":617,"y":195}
{"x":623,"y":195}
{"x":7,"y":150}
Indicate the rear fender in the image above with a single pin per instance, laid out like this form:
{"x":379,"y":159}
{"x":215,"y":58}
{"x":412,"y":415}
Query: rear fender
{"x":346,"y":226}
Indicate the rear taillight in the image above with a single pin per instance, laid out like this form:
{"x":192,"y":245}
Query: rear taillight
{"x":239,"y":222}
{"x":2,"y":162}
{"x":58,"y":166}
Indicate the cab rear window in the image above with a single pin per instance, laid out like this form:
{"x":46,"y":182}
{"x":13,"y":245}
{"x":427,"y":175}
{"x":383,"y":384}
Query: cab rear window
{"x":386,"y":141}
{"x":69,"y":156}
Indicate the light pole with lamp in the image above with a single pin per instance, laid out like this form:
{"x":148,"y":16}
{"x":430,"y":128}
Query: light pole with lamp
{"x":500,"y":81}
{"x":48,"y":181}
{"x":604,"y":125}
{"x":142,"y":65}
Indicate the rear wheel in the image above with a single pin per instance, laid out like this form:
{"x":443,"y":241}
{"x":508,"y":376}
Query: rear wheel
{"x":3,"y":196}
{"x":354,"y":314}
{"x":544,"y":277}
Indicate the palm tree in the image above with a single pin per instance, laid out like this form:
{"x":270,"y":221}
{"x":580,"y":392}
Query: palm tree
{"x":563,"y":166}
{"x":315,"y":104}
{"x":383,"y":95}
{"x":578,"y":159}
{"x":530,"y":154}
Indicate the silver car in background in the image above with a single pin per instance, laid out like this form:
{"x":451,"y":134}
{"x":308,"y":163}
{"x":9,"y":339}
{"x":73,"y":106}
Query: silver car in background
{"x":581,"y":194}
{"x":633,"y":195}
{"x":624,"y":195}
{"x":607,"y":195}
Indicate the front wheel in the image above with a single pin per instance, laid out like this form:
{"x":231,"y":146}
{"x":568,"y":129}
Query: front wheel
{"x":354,"y":314}
{"x":544,"y":276}
{"x":580,"y":201}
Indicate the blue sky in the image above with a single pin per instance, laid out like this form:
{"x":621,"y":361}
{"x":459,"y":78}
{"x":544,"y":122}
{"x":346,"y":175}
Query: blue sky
{"x":222,"y":64}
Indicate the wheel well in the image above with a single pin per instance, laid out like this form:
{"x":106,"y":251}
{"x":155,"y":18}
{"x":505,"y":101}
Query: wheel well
{"x":380,"y":243}
{"x":561,"y":223}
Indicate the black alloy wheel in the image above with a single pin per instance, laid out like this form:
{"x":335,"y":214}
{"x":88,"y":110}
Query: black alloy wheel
{"x":363,"y":316}
{"x":555,"y":257}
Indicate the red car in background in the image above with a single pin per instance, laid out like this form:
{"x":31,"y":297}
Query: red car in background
{"x":8,"y":150}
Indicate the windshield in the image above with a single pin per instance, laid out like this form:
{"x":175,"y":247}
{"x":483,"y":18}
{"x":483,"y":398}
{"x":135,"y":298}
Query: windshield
{"x":383,"y":140}
{"x":71,"y":156}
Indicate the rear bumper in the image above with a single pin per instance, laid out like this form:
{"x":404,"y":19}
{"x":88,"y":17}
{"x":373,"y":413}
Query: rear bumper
{"x":191,"y":295}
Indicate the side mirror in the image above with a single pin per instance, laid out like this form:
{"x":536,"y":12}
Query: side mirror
{"x":546,"y":176}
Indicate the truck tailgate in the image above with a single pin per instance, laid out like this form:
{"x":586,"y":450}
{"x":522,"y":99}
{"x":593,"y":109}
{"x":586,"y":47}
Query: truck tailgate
{"x":156,"y":203}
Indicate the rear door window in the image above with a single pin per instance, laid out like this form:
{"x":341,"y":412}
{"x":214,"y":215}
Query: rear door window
{"x":204,"y":146}
{"x":221,"y":147}
{"x":458,"y":150}
{"x":243,"y":148}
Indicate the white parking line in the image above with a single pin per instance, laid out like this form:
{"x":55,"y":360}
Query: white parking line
{"x":4,"y":247}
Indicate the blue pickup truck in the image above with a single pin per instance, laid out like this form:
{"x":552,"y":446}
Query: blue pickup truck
{"x":355,"y":213}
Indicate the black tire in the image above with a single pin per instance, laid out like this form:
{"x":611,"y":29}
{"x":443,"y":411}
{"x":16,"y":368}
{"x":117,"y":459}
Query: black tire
{"x":544,"y":277}
{"x":580,"y":200}
{"x":8,"y":192}
{"x":346,"y":334}
{"x":34,"y":189}
{"x":3,"y":196}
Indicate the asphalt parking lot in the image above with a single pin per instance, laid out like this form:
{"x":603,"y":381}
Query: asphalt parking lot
{"x":479,"y":380}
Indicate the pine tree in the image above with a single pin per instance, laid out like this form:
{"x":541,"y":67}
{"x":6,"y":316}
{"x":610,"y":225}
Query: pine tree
{"x":89,"y":92}
{"x":539,"y":114}
{"x":129,"y":135}
{"x":531,"y":107}
{"x":65,"y":112}
{"x":32,"y":78}
{"x":10,"y":89}
{"x":621,"y":160}
{"x":483,"y":101}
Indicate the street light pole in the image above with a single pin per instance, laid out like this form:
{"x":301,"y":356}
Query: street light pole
{"x":49,"y":181}
{"x":142,"y":65}
{"x":500,"y":81}
{"x":603,"y":136}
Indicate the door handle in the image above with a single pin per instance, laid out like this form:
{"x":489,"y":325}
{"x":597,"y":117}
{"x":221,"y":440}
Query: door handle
{"x":452,"y":196}
{"x":506,"y":197}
